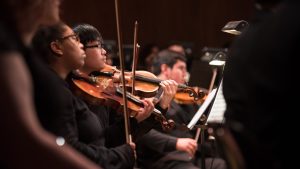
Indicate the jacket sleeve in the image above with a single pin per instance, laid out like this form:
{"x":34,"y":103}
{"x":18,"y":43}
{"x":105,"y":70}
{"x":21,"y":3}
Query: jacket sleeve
{"x":158,"y":141}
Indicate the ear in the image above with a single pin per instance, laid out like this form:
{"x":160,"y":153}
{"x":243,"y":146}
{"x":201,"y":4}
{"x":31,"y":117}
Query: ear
{"x":56,"y":48}
{"x":164,"y":68}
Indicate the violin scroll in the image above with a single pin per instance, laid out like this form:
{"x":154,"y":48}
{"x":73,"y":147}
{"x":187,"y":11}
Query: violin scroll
{"x":166,"y":125}
{"x":190,"y":95}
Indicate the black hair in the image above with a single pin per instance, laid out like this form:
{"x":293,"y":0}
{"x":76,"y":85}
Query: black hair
{"x":174,"y":42}
{"x":43,"y":38}
{"x":87,"y":33}
{"x":166,"y":57}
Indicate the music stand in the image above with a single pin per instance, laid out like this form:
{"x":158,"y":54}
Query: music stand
{"x":202,"y":109}
{"x":200,"y":116}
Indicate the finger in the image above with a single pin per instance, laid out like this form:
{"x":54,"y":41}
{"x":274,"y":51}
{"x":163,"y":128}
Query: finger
{"x":141,"y":111}
{"x":192,"y":150}
{"x":168,"y":88}
{"x":193,"y":144}
{"x":189,"y":151}
{"x":173,"y":86}
{"x":150,"y":106}
{"x":146,"y":104}
{"x":132,"y":145}
{"x":162,"y":84}
{"x":175,"y":83}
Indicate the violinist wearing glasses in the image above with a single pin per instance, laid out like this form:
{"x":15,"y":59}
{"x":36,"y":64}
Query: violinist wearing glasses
{"x":80,"y":127}
{"x":96,"y":61}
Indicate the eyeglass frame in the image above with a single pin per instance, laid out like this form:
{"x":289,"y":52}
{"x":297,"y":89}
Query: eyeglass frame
{"x":100,"y":46}
{"x":77,"y":38}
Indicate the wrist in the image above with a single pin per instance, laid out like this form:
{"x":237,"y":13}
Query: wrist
{"x":163,"y":106}
{"x":162,"y":110}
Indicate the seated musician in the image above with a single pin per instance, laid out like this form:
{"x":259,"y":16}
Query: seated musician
{"x":172,"y":65}
{"x":95,"y":61}
{"x":80,"y":127}
{"x":92,"y":41}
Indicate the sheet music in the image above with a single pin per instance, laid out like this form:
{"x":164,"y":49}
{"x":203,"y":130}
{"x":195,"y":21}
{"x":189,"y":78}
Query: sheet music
{"x":217,"y":111}
{"x":202,"y":109}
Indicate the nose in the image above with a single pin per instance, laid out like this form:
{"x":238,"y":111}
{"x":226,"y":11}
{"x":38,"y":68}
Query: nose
{"x":103,"y":51}
{"x":80,"y":45}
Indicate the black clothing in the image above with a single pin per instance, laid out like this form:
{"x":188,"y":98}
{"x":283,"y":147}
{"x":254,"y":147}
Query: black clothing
{"x":157,"y":149}
{"x":91,"y":133}
{"x":182,"y":114}
{"x":154,"y":146}
{"x":65,"y":115}
{"x":113,"y":125}
{"x":258,"y":75}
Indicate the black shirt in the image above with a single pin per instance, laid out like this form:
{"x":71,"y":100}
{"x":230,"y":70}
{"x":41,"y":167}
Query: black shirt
{"x":65,"y":115}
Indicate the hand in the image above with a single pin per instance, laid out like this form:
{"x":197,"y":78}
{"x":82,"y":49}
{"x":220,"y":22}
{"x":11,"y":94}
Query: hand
{"x":132,"y":145}
{"x":170,"y":89}
{"x":118,"y":76}
{"x":109,"y":86}
{"x":187,"y":144}
{"x":145,"y":112}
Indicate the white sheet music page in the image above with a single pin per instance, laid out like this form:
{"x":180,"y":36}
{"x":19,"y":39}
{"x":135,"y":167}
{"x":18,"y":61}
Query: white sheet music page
{"x":217,"y":111}
{"x":202,"y":109}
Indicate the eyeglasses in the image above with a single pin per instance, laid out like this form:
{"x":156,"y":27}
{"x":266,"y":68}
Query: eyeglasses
{"x":74,"y":37}
{"x":100,"y":46}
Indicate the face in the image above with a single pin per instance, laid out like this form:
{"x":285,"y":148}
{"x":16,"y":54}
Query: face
{"x":95,"y":56}
{"x":72,"y":51}
{"x":178,"y":72}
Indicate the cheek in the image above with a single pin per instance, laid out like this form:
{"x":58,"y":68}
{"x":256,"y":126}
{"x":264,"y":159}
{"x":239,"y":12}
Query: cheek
{"x":89,"y":61}
{"x":92,"y":60}
{"x":177,"y":76}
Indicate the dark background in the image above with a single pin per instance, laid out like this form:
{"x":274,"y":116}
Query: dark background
{"x":194,"y":22}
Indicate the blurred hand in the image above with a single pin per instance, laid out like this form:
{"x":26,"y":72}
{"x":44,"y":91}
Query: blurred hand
{"x":108,"y":86}
{"x":145,"y":112}
{"x":132,"y":145}
{"x":170,"y":89}
{"x":187,"y":144}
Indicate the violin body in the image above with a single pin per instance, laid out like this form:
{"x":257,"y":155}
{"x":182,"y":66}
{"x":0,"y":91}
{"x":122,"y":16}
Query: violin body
{"x":94,"y":93}
{"x":146,"y":84}
{"x":143,"y":87}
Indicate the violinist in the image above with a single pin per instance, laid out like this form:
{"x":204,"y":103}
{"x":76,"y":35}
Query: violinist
{"x":96,"y":60}
{"x":79,"y":126}
{"x":172,"y":65}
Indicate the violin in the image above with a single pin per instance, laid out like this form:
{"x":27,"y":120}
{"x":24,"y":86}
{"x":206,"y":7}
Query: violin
{"x":93,"y":93}
{"x":146,"y":83}
{"x":182,"y":97}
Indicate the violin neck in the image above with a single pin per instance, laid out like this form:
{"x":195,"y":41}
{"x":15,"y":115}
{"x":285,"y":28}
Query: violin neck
{"x":129,"y":97}
{"x":99,"y":73}
{"x":147,"y":79}
{"x":136,"y":101}
{"x":182,"y":86}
